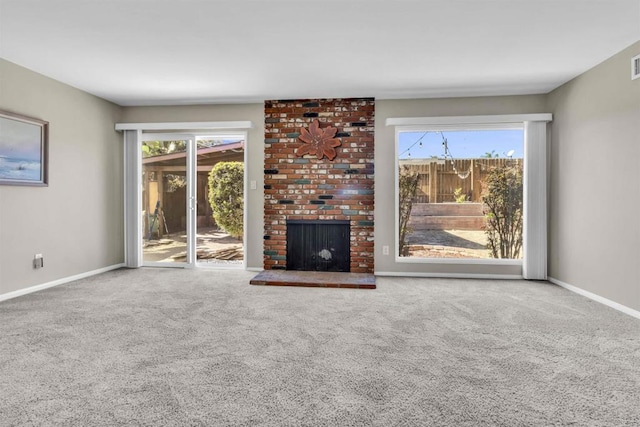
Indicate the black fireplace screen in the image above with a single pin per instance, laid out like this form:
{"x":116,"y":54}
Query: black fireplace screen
{"x":318,"y":245}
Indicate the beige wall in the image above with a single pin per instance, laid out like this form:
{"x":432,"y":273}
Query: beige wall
{"x":385,"y":167}
{"x":255,"y":153}
{"x":594,"y":234}
{"x":77,"y":221}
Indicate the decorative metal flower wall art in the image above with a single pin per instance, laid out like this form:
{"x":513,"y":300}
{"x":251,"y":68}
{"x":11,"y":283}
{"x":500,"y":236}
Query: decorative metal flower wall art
{"x":318,"y":142}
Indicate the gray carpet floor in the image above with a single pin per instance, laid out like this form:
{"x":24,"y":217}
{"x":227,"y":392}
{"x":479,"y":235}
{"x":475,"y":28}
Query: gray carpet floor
{"x":196,"y":347}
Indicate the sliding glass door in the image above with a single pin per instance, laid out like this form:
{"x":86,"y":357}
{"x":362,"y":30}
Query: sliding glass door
{"x":191,"y":199}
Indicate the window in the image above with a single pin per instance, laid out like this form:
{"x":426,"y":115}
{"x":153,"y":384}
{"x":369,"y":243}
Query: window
{"x":460,"y":192}
{"x":520,"y":144}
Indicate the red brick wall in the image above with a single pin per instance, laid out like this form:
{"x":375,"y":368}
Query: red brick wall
{"x":305,"y":188}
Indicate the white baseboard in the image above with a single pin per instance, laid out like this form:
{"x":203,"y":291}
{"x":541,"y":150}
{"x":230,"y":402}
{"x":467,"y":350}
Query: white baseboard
{"x":256,"y":269}
{"x":597,"y":298}
{"x":449,"y":275}
{"x":64,"y":280}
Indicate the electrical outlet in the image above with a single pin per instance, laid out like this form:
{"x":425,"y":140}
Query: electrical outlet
{"x":38,"y":261}
{"x":253,"y":185}
{"x":385,"y":250}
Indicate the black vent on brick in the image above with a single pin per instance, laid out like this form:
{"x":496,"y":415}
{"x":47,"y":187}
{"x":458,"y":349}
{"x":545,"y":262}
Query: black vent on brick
{"x":318,"y":246}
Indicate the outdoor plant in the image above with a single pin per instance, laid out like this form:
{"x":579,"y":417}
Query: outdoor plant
{"x":502,"y":197}
{"x":157,"y":148}
{"x":408,"y":184}
{"x":459,"y":195}
{"x":175,"y":182}
{"x":226,"y":196}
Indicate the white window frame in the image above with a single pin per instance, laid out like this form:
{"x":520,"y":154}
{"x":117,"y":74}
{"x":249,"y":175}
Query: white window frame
{"x":534,"y":186}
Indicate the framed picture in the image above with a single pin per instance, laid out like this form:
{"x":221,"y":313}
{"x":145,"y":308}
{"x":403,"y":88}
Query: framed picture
{"x":23,"y":150}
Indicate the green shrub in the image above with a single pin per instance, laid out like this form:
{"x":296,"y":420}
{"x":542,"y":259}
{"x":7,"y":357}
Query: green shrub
{"x":459,"y":195}
{"x":502,"y":196}
{"x":226,"y":196}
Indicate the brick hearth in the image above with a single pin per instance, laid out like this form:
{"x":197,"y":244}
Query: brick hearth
{"x":315,"y":279}
{"x":305,"y":188}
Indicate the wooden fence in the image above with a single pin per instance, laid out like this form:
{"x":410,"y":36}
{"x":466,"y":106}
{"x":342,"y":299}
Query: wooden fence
{"x":439,"y":178}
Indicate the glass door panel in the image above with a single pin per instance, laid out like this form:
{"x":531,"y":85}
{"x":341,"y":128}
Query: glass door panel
{"x":220,"y":200}
{"x":164,"y":201}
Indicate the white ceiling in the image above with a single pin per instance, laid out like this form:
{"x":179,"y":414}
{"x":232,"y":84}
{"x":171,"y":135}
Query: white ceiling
{"x":161,"y":52}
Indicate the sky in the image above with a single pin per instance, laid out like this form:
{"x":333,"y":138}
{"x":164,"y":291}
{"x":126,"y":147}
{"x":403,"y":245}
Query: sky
{"x":19,"y":140}
{"x":462,"y":144}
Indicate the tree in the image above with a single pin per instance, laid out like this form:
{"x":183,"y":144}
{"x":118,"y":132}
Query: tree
{"x":226,"y":196}
{"x":157,"y":148}
{"x":502,"y":196}
{"x":408,"y":184}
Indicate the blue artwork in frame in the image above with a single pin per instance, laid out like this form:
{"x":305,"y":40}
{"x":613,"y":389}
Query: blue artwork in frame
{"x":23,"y":150}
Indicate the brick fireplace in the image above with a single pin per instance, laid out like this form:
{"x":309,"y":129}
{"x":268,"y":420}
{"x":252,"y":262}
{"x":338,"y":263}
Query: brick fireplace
{"x":304,"y":188}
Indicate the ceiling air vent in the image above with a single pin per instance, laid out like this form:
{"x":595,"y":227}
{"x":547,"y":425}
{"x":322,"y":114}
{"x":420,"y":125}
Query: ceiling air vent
{"x":635,"y":67}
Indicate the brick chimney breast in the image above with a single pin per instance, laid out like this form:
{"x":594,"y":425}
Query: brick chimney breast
{"x":307,"y":188}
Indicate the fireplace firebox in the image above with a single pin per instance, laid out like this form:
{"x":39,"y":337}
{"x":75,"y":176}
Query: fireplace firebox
{"x":318,"y":245}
